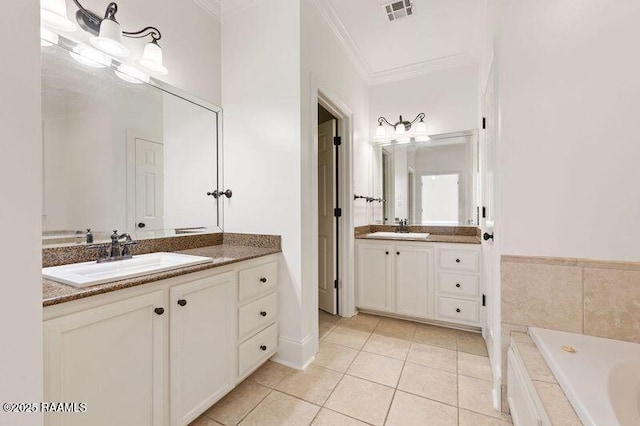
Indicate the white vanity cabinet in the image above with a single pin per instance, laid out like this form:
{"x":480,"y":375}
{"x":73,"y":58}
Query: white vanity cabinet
{"x":395,"y":278}
{"x":422,"y":280}
{"x":161,"y":353}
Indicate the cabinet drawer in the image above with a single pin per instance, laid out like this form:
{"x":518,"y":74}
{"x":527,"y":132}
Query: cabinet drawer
{"x":458,"y":285}
{"x":257,"y":349}
{"x":257,"y":280}
{"x":459,"y":260}
{"x":256,"y":315}
{"x":457,"y":310}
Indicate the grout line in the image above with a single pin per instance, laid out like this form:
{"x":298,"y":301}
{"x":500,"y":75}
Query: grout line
{"x":256,"y":406}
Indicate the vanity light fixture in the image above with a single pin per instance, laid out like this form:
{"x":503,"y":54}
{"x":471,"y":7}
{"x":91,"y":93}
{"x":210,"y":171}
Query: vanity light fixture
{"x":47,"y":38}
{"x":403,"y":129}
{"x":108,"y":36}
{"x":90,"y":57}
{"x":131,"y":75}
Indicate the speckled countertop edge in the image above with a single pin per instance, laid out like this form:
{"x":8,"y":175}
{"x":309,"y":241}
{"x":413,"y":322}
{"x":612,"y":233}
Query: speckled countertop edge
{"x":223,"y":254}
{"x":453,"y":239}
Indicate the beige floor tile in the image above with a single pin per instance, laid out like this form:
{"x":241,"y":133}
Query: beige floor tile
{"x":335,"y":357}
{"x":409,"y":409}
{"x":363,"y":322}
{"x":475,"y":395}
{"x":377,"y":368}
{"x":433,"y":356}
{"x":387,"y":346}
{"x":314,"y":384}
{"x":399,"y":329}
{"x":474,"y":366}
{"x":430,"y":383}
{"x":271,"y":374}
{"x":348,"y":337}
{"x":436,"y":336}
{"x":331,"y":418}
{"x":204,"y":421}
{"x":279,"y":409}
{"x":325,"y":328}
{"x":238,"y":403}
{"x":472,"y":343}
{"x":469,"y":418}
{"x":361,"y":399}
{"x":535,"y":364}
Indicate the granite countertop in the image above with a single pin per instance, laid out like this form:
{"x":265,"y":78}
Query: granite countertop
{"x":54,"y":293}
{"x":433,"y":238}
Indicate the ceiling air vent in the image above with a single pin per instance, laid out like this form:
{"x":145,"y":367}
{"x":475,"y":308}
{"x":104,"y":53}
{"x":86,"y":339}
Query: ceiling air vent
{"x":398,"y":9}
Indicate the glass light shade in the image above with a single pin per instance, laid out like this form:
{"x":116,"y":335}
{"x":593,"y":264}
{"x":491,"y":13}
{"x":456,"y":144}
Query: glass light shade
{"x":381,"y":132}
{"x":131,"y":75}
{"x":53,"y":13}
{"x":90,"y":57}
{"x":152,"y":59}
{"x":47,"y":38}
{"x":421,"y":128}
{"x":109,"y":39}
{"x":399,"y":130}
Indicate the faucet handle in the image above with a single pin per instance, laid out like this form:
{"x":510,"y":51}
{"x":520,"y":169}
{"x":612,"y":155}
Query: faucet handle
{"x":126,"y":251}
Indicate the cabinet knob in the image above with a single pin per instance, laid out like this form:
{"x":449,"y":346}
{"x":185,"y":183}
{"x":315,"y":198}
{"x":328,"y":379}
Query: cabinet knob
{"x":458,"y":310}
{"x":263,"y":280}
{"x":263,"y":314}
{"x":458,"y":285}
{"x":457,"y":260}
{"x":182,"y":302}
{"x":386,"y":252}
{"x":263,"y":348}
{"x":159,"y":311}
{"x":398,"y":253}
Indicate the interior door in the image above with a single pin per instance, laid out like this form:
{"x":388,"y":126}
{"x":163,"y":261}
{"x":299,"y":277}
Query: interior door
{"x":326,"y":222}
{"x":149,"y":184}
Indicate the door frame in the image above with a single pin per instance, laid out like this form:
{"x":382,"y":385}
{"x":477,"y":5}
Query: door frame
{"x":346,"y":242}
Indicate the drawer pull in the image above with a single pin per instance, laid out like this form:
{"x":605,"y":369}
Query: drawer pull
{"x":398,"y":253}
{"x":159,"y":311}
{"x":263,"y":314}
{"x":457,"y":260}
{"x":458,"y":310}
{"x":263,"y":348}
{"x":458,"y":285}
{"x":263,"y":280}
{"x":182,"y":302}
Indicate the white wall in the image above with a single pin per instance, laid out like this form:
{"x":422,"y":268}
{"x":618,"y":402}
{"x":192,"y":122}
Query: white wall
{"x":190,"y":40}
{"x":448,"y":98}
{"x":20,"y":206}
{"x":569,"y":101}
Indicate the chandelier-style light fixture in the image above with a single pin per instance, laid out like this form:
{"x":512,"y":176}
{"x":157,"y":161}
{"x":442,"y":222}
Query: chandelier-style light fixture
{"x":403,"y":131}
{"x":108,"y":36}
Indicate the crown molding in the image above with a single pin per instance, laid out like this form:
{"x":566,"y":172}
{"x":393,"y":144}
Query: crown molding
{"x":212,"y":7}
{"x":394,"y":74}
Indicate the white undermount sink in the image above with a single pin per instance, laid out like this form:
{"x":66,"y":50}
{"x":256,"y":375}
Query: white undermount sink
{"x":92,"y":273}
{"x":400,"y":235}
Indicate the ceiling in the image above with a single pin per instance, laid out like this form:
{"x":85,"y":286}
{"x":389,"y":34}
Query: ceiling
{"x":441,"y":34}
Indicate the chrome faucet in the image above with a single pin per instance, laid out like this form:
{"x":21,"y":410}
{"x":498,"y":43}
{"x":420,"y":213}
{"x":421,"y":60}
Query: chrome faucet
{"x":403,"y":228}
{"x":117,"y":250}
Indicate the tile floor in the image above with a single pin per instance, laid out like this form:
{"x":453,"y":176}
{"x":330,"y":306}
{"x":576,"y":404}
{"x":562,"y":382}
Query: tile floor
{"x":371,"y":370}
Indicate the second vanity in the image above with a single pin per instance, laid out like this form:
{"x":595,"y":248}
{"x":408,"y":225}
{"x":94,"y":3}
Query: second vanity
{"x":161,"y":349}
{"x":436,"y":279}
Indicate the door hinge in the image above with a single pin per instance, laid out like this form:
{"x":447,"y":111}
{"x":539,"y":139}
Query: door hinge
{"x":484,"y":123}
{"x":337,"y":140}
{"x":484,"y":212}
{"x":484,"y":300}
{"x":335,"y":283}
{"x":337,"y":212}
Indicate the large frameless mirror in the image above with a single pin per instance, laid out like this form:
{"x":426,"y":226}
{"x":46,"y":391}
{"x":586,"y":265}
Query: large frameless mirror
{"x":123,"y":151}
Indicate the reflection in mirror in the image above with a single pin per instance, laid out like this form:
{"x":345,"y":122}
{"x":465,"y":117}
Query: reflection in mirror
{"x":123,"y":154}
{"x":429,"y":183}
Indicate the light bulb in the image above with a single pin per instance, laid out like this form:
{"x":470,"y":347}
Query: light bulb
{"x":90,"y":57}
{"x":152,"y":58}
{"x":131,"y":75}
{"x":399,"y":130}
{"x":47,"y":38}
{"x":110,"y":39}
{"x":53,"y":13}
{"x":381,"y":131}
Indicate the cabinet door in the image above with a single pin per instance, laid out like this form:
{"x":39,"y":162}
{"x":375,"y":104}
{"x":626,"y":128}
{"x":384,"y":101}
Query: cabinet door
{"x":113,"y":358}
{"x":374,"y":276}
{"x":414,"y":280}
{"x":202,"y":344}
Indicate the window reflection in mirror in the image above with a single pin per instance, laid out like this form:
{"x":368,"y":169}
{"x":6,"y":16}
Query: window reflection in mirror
{"x":429,"y":183}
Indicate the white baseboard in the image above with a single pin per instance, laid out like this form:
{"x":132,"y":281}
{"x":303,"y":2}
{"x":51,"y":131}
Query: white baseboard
{"x":294,"y":353}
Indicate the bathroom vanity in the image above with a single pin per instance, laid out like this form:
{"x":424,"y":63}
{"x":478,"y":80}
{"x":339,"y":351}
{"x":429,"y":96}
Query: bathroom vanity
{"x":161,"y":352}
{"x":422,"y":280}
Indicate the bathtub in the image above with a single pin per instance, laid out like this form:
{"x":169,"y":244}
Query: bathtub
{"x":601,"y":379}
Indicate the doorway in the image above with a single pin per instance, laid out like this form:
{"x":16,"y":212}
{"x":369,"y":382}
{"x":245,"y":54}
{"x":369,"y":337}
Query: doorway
{"x":328,"y":261}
